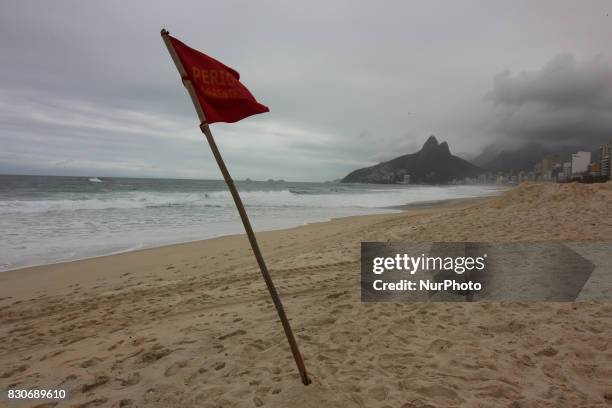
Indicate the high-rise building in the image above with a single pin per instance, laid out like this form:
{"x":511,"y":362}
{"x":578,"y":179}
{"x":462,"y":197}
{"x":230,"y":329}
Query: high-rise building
{"x":566,"y":172}
{"x":547,"y":165}
{"x":549,"y":162}
{"x":580,"y":162}
{"x":604,"y":159}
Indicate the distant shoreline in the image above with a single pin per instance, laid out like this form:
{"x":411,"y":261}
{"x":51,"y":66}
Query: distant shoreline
{"x":434,"y":204}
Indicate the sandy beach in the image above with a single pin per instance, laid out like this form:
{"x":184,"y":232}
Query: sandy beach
{"x":191,"y":325}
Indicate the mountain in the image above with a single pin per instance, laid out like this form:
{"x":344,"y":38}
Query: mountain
{"x":433,"y":164}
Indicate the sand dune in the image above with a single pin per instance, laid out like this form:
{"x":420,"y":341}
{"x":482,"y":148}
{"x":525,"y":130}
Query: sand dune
{"x":191,"y":325}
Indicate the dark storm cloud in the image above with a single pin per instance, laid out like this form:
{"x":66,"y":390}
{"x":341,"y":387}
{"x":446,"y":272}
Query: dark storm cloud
{"x":565,"y":102}
{"x":88,"y":87}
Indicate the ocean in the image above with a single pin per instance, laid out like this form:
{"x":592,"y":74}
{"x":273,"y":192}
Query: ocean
{"x":49,"y":219}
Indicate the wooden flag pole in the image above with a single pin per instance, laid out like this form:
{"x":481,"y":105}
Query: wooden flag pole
{"x":243,"y":214}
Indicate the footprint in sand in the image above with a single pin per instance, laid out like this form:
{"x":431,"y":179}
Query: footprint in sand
{"x":15,"y":370}
{"x":155,"y":353}
{"x":132,"y":379}
{"x":439,"y":391}
{"x":438,"y":346}
{"x":91,"y":362}
{"x":548,"y":352}
{"x":97,"y":382}
{"x":175,"y":368}
{"x":52,"y":354}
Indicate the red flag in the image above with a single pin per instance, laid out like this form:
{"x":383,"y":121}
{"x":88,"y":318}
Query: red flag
{"x":220,"y":94}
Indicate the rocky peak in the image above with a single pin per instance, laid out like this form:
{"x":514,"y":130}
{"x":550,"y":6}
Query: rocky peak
{"x":432,"y":150}
{"x":433,"y":164}
{"x":443,"y":147}
{"x":431,"y":143}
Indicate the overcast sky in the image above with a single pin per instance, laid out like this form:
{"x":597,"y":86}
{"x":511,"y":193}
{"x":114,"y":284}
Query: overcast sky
{"x":87,"y":88}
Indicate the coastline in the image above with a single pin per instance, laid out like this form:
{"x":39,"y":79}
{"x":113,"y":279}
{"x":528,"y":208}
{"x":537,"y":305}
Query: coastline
{"x":439,"y":204}
{"x":411,"y":206}
{"x":192,"y":325}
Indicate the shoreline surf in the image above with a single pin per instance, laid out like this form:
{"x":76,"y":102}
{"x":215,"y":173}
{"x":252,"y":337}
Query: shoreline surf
{"x":436,"y":204}
{"x":48,"y":220}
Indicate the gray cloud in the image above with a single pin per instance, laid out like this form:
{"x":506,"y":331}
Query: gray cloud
{"x":88,"y":87}
{"x":565,"y":102}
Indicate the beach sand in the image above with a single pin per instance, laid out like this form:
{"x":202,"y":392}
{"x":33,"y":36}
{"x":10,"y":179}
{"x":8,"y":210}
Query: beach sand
{"x":191,"y":325}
